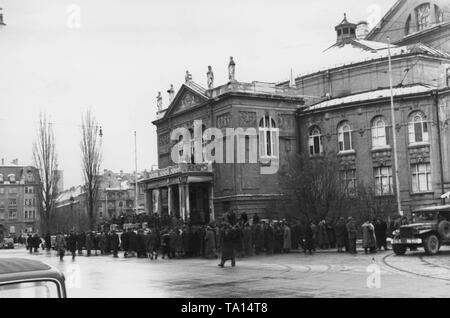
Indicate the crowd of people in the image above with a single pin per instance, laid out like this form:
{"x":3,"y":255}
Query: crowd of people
{"x":229,"y":238}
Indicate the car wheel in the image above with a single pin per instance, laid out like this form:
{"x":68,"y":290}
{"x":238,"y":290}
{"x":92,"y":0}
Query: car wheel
{"x":399,"y":249}
{"x":431,"y":244}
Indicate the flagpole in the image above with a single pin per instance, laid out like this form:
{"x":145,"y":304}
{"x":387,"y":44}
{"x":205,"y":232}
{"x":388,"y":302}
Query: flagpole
{"x":135,"y":175}
{"x":394,"y":137}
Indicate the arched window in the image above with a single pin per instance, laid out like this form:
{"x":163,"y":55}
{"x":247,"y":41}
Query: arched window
{"x":408,"y":25}
{"x":379,"y":136}
{"x":315,"y":141}
{"x":345,"y":136}
{"x":12,"y":178}
{"x":423,"y":13}
{"x":268,"y":137}
{"x":418,"y":128}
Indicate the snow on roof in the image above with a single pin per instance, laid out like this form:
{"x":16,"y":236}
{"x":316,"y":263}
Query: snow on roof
{"x":72,"y":192}
{"x":352,"y":53}
{"x":372,"y":95}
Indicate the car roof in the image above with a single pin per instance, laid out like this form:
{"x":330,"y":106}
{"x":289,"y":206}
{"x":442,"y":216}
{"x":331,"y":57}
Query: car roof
{"x":13,"y":269}
{"x":434,"y":208}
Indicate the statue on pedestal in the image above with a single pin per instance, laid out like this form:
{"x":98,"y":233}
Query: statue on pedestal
{"x":188,"y":77}
{"x":231,"y":69}
{"x":210,"y":77}
{"x":171,"y":92}
{"x":159,"y":102}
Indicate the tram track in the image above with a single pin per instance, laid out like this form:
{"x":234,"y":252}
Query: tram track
{"x":399,"y":269}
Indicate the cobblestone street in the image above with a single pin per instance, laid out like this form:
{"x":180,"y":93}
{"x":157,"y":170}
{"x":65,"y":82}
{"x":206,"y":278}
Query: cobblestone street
{"x":325,"y":274}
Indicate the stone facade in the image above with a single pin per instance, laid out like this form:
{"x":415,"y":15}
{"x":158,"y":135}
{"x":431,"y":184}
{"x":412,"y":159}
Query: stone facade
{"x":19,"y":200}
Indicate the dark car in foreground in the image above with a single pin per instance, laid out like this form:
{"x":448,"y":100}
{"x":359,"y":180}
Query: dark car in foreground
{"x":430,"y":229}
{"x":25,"y":278}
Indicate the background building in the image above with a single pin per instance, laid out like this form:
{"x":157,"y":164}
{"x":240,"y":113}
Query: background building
{"x":20,"y":202}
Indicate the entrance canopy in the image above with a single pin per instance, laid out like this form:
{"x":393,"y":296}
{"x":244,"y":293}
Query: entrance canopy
{"x":185,"y":191}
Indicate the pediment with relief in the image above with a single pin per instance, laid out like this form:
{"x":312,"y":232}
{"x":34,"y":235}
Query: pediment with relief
{"x":185,"y":99}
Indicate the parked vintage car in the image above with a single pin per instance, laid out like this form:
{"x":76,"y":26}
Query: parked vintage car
{"x":25,"y":278}
{"x":430,"y":229}
{"x":8,"y":243}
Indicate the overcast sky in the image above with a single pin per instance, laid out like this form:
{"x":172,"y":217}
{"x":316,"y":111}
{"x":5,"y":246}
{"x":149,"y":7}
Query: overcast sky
{"x":124,"y":52}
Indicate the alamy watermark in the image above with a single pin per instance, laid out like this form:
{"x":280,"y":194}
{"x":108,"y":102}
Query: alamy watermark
{"x":374,"y":279}
{"x":237,"y":145}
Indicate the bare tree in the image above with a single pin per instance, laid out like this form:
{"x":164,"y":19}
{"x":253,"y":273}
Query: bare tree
{"x":46,"y":161}
{"x":91,"y":160}
{"x":314,"y":186}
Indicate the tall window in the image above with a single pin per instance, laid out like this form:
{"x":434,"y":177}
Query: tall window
{"x":348,"y":181}
{"x":418,"y":128}
{"x":315,"y":141}
{"x":379,"y":136}
{"x":1,"y":178}
{"x":345,"y":136}
{"x":423,"y":16}
{"x":421,"y":177}
{"x":268,"y":137}
{"x":12,"y":214}
{"x":383,"y":181}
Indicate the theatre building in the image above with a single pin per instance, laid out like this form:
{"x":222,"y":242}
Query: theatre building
{"x":202,"y":191}
{"x":354,"y":123}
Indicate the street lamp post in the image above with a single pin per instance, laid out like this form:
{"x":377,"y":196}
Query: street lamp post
{"x":394,"y":137}
{"x":71,"y":211}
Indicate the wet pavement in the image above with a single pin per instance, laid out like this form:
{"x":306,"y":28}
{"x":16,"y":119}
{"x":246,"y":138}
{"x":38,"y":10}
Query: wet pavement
{"x":324,"y":274}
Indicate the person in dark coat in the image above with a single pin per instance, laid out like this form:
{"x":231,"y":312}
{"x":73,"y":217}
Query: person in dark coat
{"x":185,"y":236}
{"x":268,"y":238}
{"x":30,"y":243}
{"x":238,"y":241}
{"x":96,"y":242}
{"x":81,"y":241}
{"x":210,"y":243}
{"x":258,"y":238}
{"x":381,"y":233}
{"x":255,"y":219}
{"x":331,"y":234}
{"x":309,"y":238}
{"x":132,"y":248}
{"x":89,"y":243}
{"x":72,"y":244}
{"x":352,"y":235}
{"x":341,"y":232}
{"x":244,"y":218}
{"x":172,"y":243}
{"x":125,"y":238}
{"x":141,"y":249}
{"x":48,"y":242}
{"x":165,"y":245}
{"x":278,"y":238}
{"x":247,"y":237}
{"x":115,"y":242}
{"x":37,"y":242}
{"x":228,"y":241}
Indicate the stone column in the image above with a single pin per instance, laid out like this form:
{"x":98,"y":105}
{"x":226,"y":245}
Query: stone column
{"x":149,"y":201}
{"x":188,"y":210}
{"x":159,"y":202}
{"x":182,"y":205}
{"x":169,"y":200}
{"x":211,"y":201}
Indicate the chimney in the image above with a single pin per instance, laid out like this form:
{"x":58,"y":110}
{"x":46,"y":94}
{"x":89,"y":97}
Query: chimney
{"x":362,"y":29}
